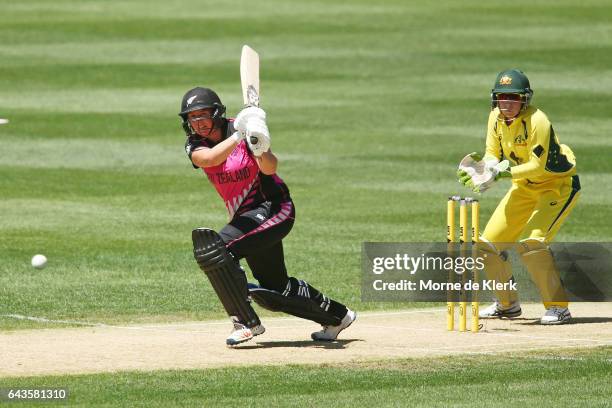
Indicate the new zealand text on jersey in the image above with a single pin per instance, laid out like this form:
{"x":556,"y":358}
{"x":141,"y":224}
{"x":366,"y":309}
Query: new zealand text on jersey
{"x":230,"y":176}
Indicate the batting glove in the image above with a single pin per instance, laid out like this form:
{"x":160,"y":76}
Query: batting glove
{"x":259,"y":148}
{"x":244,"y":116}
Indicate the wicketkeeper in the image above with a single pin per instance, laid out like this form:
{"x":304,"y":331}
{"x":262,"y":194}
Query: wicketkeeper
{"x":545,"y":189}
{"x":235,"y":155}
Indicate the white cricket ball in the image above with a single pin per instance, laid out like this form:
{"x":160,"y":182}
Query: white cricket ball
{"x":39,"y":261}
{"x":4,"y":121}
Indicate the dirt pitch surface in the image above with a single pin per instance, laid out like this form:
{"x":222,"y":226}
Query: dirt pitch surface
{"x":391,"y":335}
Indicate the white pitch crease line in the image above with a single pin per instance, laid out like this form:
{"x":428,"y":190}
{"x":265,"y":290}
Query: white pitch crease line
{"x":45,"y":320}
{"x":164,"y":328}
{"x":205,"y":323}
{"x":103,"y":325}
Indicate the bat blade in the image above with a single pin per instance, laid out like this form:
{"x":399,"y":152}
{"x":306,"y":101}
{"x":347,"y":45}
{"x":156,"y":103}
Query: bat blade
{"x":249,"y":76}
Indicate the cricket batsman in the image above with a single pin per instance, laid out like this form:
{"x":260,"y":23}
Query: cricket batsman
{"x":544,"y":190}
{"x":235,"y":156}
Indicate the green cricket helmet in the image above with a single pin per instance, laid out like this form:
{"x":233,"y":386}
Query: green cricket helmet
{"x":512,"y":81}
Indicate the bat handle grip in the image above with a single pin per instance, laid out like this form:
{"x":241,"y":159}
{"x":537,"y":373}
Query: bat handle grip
{"x":253,"y":139}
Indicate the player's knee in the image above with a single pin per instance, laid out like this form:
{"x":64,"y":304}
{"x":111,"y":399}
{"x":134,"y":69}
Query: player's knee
{"x":208,"y":249}
{"x":298,"y":287}
{"x":289,"y":287}
{"x":532,"y":246}
{"x":486,"y":249}
{"x":277,"y":284}
{"x":496,"y":263}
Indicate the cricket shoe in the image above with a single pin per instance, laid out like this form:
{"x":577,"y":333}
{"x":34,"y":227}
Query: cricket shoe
{"x":240,"y":334}
{"x":330,"y":333}
{"x":556,"y":315}
{"x":497,"y":311}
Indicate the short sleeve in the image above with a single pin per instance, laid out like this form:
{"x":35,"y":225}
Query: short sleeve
{"x":191,"y":145}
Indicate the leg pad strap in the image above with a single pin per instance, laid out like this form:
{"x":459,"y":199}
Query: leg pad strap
{"x":298,"y":306}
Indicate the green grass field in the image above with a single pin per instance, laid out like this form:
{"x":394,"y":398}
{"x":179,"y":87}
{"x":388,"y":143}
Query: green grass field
{"x":370,"y":105}
{"x":545,"y":379}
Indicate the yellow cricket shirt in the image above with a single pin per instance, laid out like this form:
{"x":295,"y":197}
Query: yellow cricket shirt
{"x":531,"y":146}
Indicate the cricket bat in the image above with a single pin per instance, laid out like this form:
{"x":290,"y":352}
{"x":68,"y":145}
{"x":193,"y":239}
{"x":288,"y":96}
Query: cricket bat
{"x":249,"y":78}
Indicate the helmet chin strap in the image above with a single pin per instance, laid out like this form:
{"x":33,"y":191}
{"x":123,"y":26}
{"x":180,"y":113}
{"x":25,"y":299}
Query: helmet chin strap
{"x":502,"y":117}
{"x":210,"y":130}
{"x":503,"y":111}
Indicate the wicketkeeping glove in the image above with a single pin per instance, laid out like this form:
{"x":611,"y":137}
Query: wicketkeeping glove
{"x":463,"y":176}
{"x":479,"y":175}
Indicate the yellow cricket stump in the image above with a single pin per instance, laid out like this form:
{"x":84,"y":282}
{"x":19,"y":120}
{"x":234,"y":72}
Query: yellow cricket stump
{"x":475,"y":239}
{"x":463,"y":239}
{"x":450,"y":238}
{"x":474,"y":206}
